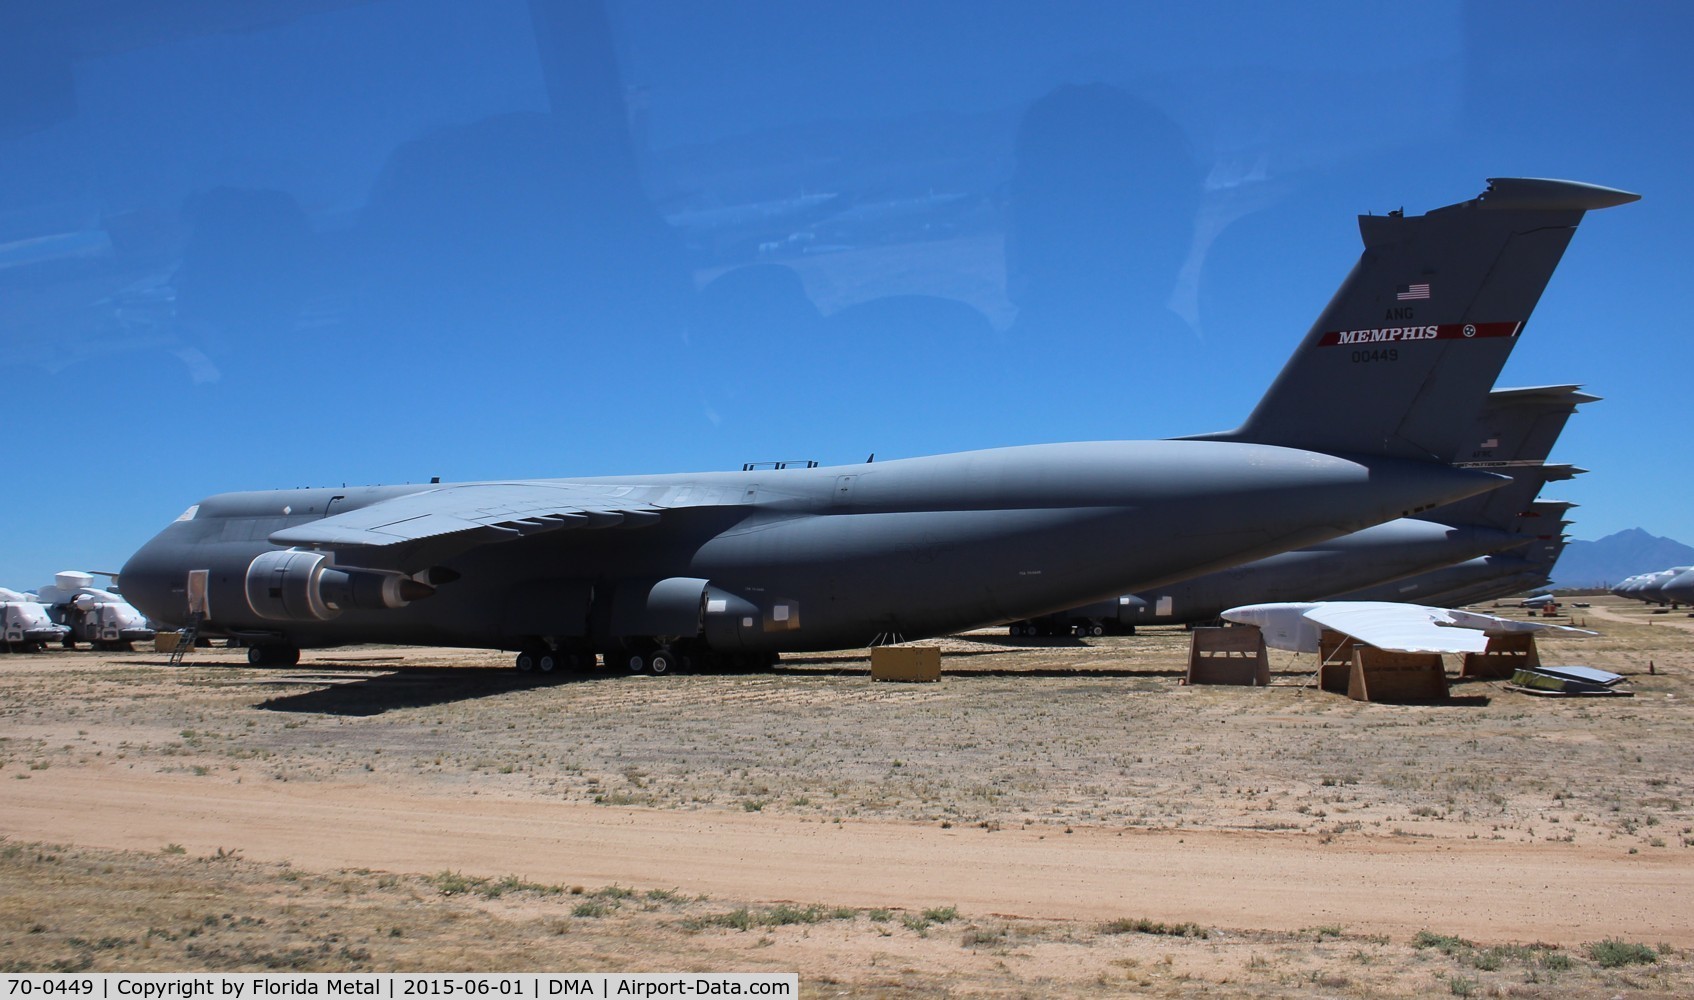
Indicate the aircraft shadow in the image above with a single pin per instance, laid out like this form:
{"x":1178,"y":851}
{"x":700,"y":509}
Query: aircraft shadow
{"x":417,"y":688}
{"x":801,"y":670}
{"x":1033,"y":642}
{"x":1063,"y":672}
{"x":398,"y":689}
{"x":1455,"y":701}
{"x":801,"y":660}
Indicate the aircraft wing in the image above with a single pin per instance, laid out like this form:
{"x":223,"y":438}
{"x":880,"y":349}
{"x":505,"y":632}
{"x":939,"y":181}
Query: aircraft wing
{"x":1408,"y":628}
{"x":1503,"y":626}
{"x":476,"y":513}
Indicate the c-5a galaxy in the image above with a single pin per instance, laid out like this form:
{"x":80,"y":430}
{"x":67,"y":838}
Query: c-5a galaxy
{"x":1362,"y":426}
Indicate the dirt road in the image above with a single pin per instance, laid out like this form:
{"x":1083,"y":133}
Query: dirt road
{"x":1278,"y":881}
{"x":1039,"y":787}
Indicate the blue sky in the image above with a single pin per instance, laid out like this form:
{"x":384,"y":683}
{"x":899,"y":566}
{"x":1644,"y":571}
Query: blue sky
{"x":315,"y":242}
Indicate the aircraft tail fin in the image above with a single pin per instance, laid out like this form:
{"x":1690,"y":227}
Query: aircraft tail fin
{"x":1402,"y":358}
{"x":1512,"y":436}
{"x":1520,"y":426}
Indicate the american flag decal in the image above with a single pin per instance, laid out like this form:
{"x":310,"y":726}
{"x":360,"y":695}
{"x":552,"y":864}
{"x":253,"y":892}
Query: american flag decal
{"x":1406,"y":292}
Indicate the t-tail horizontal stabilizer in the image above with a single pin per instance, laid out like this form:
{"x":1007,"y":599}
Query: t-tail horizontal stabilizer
{"x":1403,"y":356}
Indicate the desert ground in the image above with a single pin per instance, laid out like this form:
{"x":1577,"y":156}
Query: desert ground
{"x":1053,"y":818}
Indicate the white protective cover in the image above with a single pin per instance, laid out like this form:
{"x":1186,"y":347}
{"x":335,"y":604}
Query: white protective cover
{"x":1407,"y":628}
{"x":72,"y":580}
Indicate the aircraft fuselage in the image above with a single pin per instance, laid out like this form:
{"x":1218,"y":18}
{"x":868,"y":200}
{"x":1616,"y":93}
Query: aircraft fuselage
{"x":827,"y":558}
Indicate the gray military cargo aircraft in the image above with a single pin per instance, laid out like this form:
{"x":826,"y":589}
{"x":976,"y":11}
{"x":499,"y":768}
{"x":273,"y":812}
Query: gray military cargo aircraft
{"x":1631,"y":586}
{"x":1500,"y":574}
{"x":1650,"y":588}
{"x":1512,"y":436}
{"x":1362,"y":426}
{"x":1679,"y":589}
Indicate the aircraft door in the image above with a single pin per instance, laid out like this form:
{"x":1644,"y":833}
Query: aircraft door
{"x":199,"y":583}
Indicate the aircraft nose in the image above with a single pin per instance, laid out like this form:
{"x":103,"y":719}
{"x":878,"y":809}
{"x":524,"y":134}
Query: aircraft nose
{"x":146,"y":582}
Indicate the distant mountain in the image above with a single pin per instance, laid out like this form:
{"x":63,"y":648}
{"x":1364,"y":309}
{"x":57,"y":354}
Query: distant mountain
{"x":1605,"y":562}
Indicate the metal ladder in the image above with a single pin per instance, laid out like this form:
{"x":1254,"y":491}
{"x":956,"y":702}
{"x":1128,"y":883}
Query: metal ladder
{"x":185,"y":642}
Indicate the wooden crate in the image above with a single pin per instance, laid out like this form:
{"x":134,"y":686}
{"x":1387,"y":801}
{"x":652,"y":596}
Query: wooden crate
{"x":1234,"y":655}
{"x":1505,"y":656}
{"x":1386,"y":675}
{"x":906,"y":663}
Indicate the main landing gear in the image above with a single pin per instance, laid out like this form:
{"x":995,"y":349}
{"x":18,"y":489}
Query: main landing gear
{"x":552,"y":662}
{"x":663,"y":660}
{"x":636,"y":658}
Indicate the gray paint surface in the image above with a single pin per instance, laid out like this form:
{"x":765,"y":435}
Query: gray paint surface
{"x":805,"y":559}
{"x":1512,"y":436}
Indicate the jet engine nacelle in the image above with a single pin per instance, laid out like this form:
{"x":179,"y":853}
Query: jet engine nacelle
{"x":295,"y":585}
{"x":683,"y":607}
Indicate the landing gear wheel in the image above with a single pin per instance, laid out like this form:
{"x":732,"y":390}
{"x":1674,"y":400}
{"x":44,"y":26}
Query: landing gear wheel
{"x":662,"y":660}
{"x":1095,"y":630}
{"x":547,"y":663}
{"x":1015,"y":631}
{"x":525,"y":662}
{"x":636,"y":662}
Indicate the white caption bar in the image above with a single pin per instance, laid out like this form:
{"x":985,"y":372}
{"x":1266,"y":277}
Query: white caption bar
{"x":392,"y":985}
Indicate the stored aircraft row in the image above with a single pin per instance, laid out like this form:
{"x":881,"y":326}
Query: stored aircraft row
{"x":26,"y":626}
{"x":1486,"y":578}
{"x":70,"y":610}
{"x":1670,"y":587}
{"x":1512,"y":436}
{"x":1364,"y":425}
